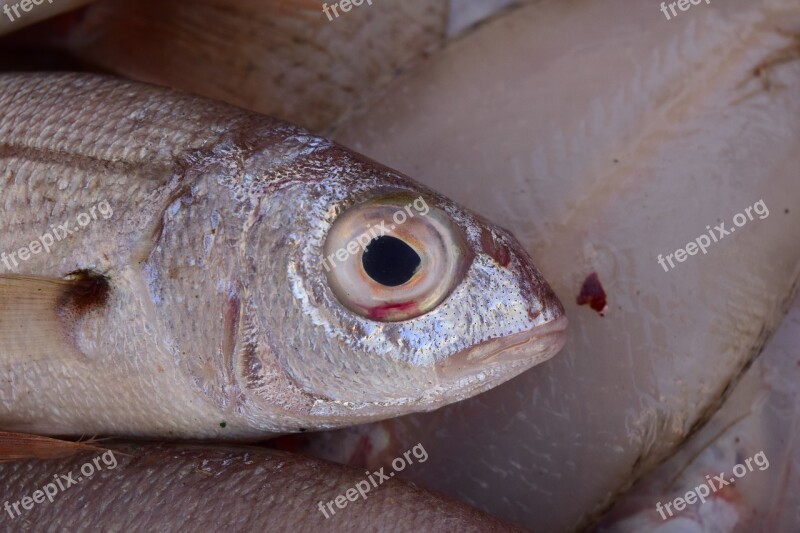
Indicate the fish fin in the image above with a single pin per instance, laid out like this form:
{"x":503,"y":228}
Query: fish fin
{"x":38,"y":314}
{"x":21,"y":446}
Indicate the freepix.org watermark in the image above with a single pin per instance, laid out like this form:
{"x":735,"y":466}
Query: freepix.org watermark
{"x":46,"y":242}
{"x":701,"y":492}
{"x":375,"y":479}
{"x":701,"y":243}
{"x":344,"y":5}
{"x":399,"y":217}
{"x":683,"y":5}
{"x":24,"y":5}
{"x":62,"y":483}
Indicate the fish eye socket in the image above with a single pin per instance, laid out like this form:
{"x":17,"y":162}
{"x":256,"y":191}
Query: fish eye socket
{"x":394,"y":257}
{"x":390,"y":261}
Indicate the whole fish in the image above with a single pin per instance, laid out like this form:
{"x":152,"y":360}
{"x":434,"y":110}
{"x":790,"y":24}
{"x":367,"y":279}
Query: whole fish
{"x":240,"y":488}
{"x":178,"y":267}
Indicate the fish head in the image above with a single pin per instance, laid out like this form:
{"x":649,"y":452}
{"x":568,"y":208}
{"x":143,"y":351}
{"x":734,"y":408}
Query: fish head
{"x":382,"y":297}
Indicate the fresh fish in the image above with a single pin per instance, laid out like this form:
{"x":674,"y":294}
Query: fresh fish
{"x":237,"y":488}
{"x":179,"y":267}
{"x":605,"y":135}
{"x":284,"y":58}
{"x":759,"y":421}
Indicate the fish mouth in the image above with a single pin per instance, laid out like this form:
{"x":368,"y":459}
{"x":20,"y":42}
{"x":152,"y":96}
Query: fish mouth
{"x":495,"y":361}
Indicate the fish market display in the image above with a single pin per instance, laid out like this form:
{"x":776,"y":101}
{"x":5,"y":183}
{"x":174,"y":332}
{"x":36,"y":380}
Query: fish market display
{"x":176,"y":267}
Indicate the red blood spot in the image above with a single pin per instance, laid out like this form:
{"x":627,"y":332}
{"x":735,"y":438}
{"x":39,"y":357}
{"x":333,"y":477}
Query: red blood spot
{"x":387,"y":311}
{"x":592,"y":293}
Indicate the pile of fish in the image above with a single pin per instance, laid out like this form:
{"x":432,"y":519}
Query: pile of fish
{"x":604,"y":137}
{"x":175,"y":267}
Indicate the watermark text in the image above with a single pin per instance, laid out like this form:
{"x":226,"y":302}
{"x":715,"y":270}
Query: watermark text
{"x":701,"y":243}
{"x":702,"y":491}
{"x":62,"y":483}
{"x":375,"y":479}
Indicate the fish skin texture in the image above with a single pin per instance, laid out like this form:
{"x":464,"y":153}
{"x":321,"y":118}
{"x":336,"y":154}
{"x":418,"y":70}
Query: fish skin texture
{"x":759,"y":417}
{"x":277,"y":57}
{"x":603,"y":135}
{"x":220,"y":322}
{"x":160,"y":487}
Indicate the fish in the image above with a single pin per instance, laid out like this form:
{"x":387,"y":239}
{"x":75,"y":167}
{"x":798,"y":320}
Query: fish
{"x":283,"y":58}
{"x":757,"y":428}
{"x":603,"y":136}
{"x":248,"y":488}
{"x":175,"y":267}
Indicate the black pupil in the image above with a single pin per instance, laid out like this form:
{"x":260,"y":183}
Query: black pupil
{"x":390,"y":261}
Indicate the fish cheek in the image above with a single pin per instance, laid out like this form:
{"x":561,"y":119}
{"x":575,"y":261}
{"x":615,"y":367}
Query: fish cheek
{"x":334,"y":372}
{"x":333,"y":354}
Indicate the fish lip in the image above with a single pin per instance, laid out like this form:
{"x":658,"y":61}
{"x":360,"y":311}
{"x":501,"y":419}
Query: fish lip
{"x":495,"y":361}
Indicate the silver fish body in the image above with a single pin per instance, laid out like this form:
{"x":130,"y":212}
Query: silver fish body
{"x":191,"y":291}
{"x":242,"y":488}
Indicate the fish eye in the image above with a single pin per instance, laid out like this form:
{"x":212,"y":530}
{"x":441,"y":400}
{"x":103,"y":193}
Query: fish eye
{"x":393,"y":258}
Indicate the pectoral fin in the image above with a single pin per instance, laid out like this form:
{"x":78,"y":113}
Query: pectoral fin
{"x":20,"y":446}
{"x":38,"y":315}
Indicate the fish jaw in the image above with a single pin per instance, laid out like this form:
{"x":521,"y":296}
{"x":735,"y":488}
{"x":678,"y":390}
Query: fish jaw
{"x":501,"y":359}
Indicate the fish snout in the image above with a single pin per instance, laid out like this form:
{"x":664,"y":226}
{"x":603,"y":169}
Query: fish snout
{"x":527,"y":326}
{"x":502,"y":358}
